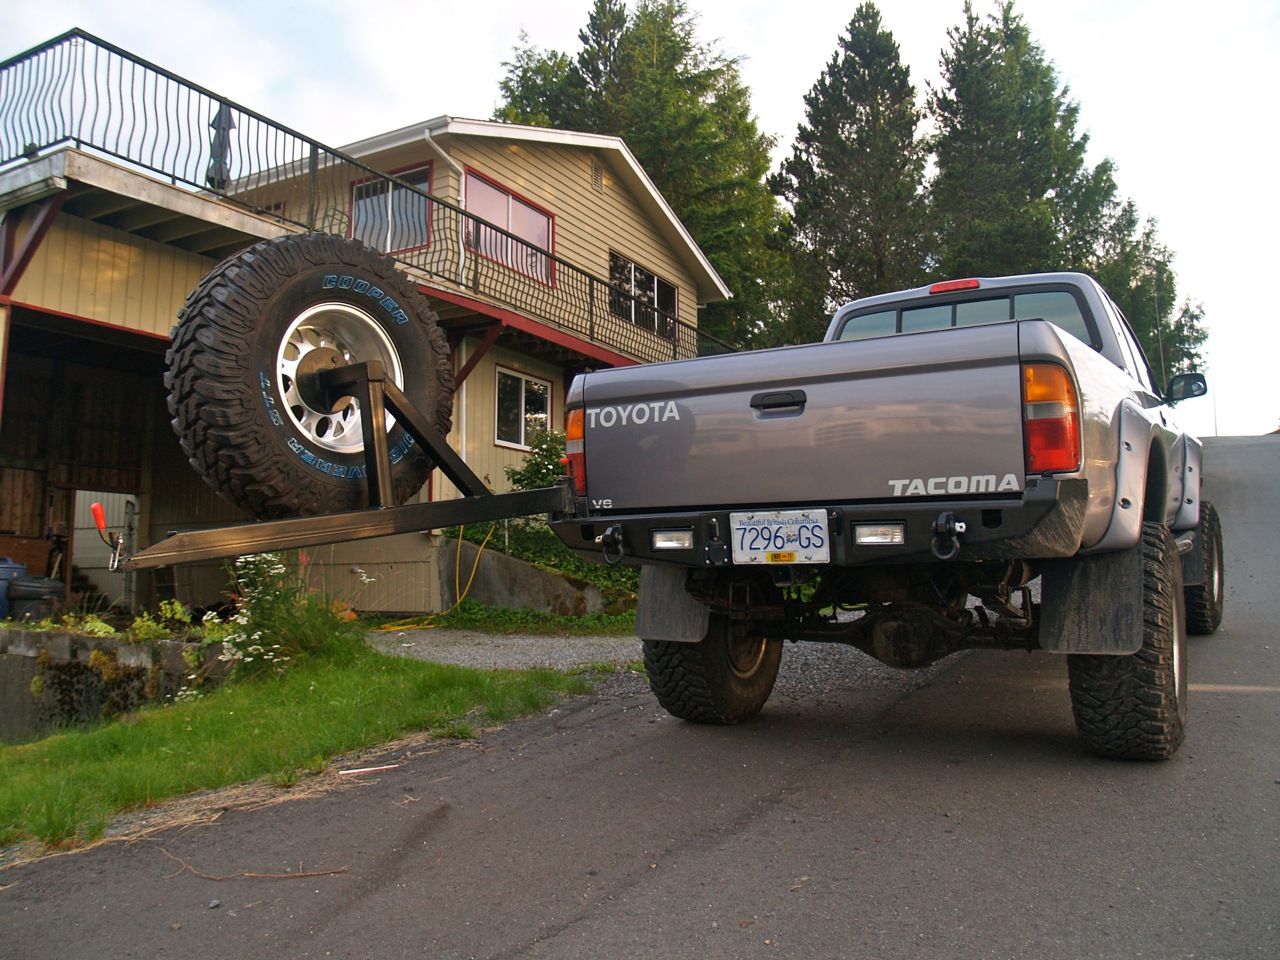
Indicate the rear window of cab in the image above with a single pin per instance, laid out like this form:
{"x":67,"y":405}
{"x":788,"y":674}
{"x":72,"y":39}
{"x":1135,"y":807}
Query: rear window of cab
{"x":1059,"y":307}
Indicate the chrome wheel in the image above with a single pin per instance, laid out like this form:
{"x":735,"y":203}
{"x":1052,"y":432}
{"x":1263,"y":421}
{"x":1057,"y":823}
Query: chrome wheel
{"x":330,"y":335}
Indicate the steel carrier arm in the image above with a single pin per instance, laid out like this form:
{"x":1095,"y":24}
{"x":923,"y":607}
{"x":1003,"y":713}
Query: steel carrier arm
{"x":369,"y":384}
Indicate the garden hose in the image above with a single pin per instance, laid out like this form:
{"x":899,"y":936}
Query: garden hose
{"x":459,"y":592}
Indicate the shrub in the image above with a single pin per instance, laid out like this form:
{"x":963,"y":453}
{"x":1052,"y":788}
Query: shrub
{"x":145,"y":628}
{"x":279,"y":621}
{"x":542,"y":466}
{"x":174,"y":613}
{"x":90,"y":624}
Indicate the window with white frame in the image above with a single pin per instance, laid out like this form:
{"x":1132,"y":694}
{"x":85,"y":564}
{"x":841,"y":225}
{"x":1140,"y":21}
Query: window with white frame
{"x":532,"y":228}
{"x":642,"y":297}
{"x":390,"y":218}
{"x":524,"y":408}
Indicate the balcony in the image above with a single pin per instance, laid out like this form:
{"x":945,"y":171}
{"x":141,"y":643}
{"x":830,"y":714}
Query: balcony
{"x":81,"y":92}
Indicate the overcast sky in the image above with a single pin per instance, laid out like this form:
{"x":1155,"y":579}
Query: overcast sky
{"x":1179,"y":94}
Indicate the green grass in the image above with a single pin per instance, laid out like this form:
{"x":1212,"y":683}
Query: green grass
{"x":470,"y":615}
{"x":63,"y":790}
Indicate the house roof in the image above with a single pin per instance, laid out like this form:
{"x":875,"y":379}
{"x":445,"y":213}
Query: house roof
{"x":618,"y":155}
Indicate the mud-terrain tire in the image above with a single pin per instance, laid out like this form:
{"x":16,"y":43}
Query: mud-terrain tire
{"x":1134,"y":707}
{"x":722,"y":679}
{"x":1205,"y":600}
{"x":265,"y":314}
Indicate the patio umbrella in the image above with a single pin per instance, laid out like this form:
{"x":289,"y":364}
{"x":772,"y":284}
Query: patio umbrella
{"x":219,"y":173}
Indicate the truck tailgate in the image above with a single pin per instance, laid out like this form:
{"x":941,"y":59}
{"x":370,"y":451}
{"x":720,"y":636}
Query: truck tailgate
{"x":942,"y":407}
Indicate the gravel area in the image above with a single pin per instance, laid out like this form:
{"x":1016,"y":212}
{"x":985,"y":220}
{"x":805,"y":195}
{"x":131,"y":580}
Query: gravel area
{"x":810,"y":672}
{"x":469,"y":648}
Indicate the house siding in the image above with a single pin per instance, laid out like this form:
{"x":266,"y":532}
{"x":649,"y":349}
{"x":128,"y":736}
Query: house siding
{"x":477,"y":399}
{"x":588,"y":224}
{"x":391,"y":575}
{"x":87,"y":270}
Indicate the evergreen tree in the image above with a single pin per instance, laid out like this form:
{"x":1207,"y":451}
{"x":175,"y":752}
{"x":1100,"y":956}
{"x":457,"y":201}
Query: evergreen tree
{"x":537,"y":86}
{"x":1136,"y":268}
{"x":595,"y":81}
{"x":1012,"y":192}
{"x":686,"y":115}
{"x":855,"y":175}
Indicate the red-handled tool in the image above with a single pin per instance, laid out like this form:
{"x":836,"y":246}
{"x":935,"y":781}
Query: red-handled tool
{"x":113,"y":540}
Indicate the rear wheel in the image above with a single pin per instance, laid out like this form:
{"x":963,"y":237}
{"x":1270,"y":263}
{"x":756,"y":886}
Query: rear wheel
{"x":1205,"y":600}
{"x":725,"y":678}
{"x":1134,"y":707}
{"x":243,"y":400}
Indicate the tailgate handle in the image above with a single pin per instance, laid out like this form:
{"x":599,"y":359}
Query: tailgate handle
{"x":779,"y":399}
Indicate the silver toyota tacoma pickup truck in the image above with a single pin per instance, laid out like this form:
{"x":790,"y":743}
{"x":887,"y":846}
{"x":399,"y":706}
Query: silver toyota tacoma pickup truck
{"x":978,"y":463}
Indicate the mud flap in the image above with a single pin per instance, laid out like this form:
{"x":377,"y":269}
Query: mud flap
{"x":1092,"y":604}
{"x":665,"y":611}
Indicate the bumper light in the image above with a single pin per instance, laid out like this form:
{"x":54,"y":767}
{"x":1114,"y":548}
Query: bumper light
{"x":879,"y":534}
{"x":671,"y":539}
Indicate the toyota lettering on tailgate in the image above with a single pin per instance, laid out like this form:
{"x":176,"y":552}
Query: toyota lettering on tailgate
{"x":655,"y":411}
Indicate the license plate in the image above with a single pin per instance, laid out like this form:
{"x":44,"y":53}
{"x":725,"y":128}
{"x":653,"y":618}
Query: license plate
{"x":780,"y":536}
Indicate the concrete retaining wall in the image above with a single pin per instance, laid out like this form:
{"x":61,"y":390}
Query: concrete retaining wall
{"x":503,"y":581}
{"x":82,"y":678}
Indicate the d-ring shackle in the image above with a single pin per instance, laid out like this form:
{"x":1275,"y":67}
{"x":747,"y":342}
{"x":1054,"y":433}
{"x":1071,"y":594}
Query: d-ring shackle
{"x":946,"y":536}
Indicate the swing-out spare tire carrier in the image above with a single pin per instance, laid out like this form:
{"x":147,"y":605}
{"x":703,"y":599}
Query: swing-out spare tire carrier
{"x":249,"y":340}
{"x":310,"y":384}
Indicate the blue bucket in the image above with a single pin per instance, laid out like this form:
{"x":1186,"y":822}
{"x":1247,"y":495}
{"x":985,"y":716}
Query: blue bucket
{"x":10,"y":569}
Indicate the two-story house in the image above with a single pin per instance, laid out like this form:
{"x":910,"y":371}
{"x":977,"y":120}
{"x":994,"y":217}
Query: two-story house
{"x":580,"y":196}
{"x":544,"y":252}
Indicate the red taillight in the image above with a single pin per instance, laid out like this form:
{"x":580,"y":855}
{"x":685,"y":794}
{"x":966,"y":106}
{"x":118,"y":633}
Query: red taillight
{"x":575,"y":451}
{"x":99,"y":517}
{"x":949,"y":286}
{"x":1051,"y":416}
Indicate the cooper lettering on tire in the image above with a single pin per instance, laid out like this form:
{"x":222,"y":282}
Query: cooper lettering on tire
{"x":240,"y":396}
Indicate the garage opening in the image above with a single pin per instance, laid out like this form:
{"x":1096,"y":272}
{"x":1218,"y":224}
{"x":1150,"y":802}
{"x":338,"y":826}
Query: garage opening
{"x":84,"y":419}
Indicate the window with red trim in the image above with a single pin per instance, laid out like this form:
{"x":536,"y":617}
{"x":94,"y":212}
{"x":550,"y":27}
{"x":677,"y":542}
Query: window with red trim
{"x":532,"y":227}
{"x":390,"y":218}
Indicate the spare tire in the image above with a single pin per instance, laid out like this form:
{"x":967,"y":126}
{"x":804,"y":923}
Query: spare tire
{"x":267,"y":315}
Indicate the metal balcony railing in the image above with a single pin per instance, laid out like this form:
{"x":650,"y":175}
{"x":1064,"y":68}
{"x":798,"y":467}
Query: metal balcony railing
{"x":79,"y":90}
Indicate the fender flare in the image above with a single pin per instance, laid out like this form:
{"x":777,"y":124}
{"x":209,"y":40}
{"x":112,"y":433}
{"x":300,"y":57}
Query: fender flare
{"x":1188,"y":515}
{"x":1136,"y":437}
